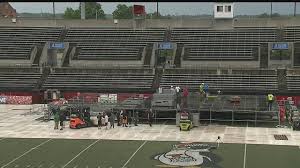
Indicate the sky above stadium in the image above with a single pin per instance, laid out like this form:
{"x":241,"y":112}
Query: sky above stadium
{"x":165,"y":8}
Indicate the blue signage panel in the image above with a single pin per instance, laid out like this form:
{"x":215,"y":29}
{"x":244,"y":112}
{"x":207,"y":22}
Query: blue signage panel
{"x":280,"y":46}
{"x":2,"y":100}
{"x":56,"y":45}
{"x":165,"y":46}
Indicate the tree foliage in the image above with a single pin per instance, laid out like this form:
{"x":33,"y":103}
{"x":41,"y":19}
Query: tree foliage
{"x":72,"y":14}
{"x":90,"y":11}
{"x":123,"y":12}
{"x":91,"y":8}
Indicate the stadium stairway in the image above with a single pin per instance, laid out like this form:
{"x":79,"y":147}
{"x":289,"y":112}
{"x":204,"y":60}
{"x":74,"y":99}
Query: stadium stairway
{"x":297,"y":55}
{"x":264,"y":55}
{"x":41,"y":81}
{"x":280,"y":35}
{"x":148,"y":54}
{"x":157,"y":78}
{"x":66,"y":59}
{"x":177,"y":59}
{"x":281,"y":78}
{"x":168,"y":35}
{"x":40,"y":48}
{"x":63,"y":35}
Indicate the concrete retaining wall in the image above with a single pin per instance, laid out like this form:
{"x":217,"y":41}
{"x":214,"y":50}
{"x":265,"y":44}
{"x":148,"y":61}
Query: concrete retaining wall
{"x":186,"y":22}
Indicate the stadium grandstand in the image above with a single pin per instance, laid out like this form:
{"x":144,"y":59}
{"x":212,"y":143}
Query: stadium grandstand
{"x":229,"y":75}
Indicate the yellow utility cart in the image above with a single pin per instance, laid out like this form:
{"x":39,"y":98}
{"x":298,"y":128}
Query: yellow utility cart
{"x":185,"y":123}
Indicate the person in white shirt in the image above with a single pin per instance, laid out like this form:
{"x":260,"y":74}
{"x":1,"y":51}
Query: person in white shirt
{"x":106,"y":121}
{"x":219,"y":141}
{"x":177,"y":88}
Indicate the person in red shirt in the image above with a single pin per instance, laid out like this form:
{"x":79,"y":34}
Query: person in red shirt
{"x":185,"y":95}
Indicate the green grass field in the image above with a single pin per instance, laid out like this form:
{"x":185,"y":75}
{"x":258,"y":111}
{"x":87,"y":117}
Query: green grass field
{"x":57,"y":153}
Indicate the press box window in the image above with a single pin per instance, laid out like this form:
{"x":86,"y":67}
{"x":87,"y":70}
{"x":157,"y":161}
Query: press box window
{"x":227,"y":8}
{"x":219,"y":8}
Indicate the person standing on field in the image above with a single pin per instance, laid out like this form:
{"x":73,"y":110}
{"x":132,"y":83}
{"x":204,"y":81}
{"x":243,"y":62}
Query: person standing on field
{"x":56,"y":120}
{"x":112,"y":120}
{"x":106,"y":121}
{"x":99,"y":120}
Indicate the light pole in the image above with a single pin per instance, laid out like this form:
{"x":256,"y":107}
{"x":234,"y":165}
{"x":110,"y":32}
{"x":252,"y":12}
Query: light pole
{"x":271,"y":9}
{"x":157,"y":8}
{"x":295,"y":5}
{"x":53,"y":6}
{"x":96,"y":14}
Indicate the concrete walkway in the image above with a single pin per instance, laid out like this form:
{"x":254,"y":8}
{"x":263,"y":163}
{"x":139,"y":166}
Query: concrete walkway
{"x":15,"y":125}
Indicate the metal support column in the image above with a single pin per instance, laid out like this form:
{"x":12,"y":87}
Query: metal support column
{"x":210,"y":116}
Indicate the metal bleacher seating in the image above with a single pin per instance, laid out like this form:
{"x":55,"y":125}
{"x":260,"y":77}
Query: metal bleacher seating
{"x":100,"y":79}
{"x":112,"y":43}
{"x":240,"y":43}
{"x":221,"y":53}
{"x":19,"y":78}
{"x":293,"y":82}
{"x":17,"y":42}
{"x":292,"y":33}
{"x":238,"y":80}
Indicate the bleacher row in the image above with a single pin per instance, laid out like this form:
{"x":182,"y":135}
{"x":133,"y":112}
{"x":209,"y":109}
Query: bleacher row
{"x":17,"y":42}
{"x":75,"y":79}
{"x":127,"y":43}
{"x":112,"y":43}
{"x":224,"y":82}
{"x":96,"y":81}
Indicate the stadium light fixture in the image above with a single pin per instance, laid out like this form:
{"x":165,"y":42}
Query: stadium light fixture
{"x":271,"y":9}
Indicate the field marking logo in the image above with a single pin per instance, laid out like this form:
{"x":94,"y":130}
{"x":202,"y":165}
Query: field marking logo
{"x":187,"y":154}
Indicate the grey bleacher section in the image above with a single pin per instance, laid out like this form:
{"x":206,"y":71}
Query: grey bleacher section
{"x":19,"y":78}
{"x":292,"y":33}
{"x":222,"y":53}
{"x":240,"y":43}
{"x":112,"y":43}
{"x":100,"y":79}
{"x":18,"y":42}
{"x":293,"y":82}
{"x":238,"y":80}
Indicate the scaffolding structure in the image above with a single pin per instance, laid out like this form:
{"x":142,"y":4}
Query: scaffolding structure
{"x":249,"y":108}
{"x":213,"y":108}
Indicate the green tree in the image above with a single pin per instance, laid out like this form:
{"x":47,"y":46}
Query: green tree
{"x":123,"y":12}
{"x":72,"y":14}
{"x":90,"y":12}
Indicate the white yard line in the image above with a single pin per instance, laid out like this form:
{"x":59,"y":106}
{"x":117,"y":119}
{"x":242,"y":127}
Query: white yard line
{"x":245,"y":155}
{"x":26,"y":153}
{"x":81,"y":152}
{"x":134,"y":154}
{"x":245,"y":148}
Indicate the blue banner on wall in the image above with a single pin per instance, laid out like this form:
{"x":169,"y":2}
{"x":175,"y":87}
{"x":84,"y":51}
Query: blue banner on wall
{"x":56,"y":45}
{"x":165,"y":46}
{"x":280,"y":46}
